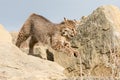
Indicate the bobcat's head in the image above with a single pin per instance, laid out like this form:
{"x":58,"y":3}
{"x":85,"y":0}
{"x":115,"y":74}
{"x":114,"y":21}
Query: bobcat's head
{"x":70,"y":29}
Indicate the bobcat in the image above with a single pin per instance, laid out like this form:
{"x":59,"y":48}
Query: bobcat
{"x":42,"y":30}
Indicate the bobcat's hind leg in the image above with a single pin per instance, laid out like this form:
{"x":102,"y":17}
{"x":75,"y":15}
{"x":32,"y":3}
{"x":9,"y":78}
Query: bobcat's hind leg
{"x":21,"y":38}
{"x":32,"y":42}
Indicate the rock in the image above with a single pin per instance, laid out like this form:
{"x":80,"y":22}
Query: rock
{"x":16,"y":65}
{"x":98,"y":40}
{"x":3,"y":32}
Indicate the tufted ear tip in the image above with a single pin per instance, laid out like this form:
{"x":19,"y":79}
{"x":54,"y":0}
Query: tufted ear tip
{"x":65,"y":19}
{"x":75,"y":20}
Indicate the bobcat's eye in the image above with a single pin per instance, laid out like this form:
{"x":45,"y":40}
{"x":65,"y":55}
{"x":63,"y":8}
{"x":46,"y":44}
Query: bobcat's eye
{"x":63,"y":33}
{"x":72,"y":35}
{"x":73,"y":29}
{"x":65,"y":30}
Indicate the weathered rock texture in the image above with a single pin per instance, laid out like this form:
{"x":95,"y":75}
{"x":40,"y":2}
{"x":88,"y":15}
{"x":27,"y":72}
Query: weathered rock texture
{"x":98,"y":40}
{"x":16,"y":65}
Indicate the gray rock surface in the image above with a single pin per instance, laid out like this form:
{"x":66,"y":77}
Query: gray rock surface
{"x":98,"y":40}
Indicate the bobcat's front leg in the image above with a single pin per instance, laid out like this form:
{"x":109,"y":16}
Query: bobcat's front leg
{"x":71,"y":51}
{"x":60,"y":44}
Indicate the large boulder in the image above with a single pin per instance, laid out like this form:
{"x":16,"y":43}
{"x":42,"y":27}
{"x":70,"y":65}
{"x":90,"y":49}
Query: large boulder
{"x":99,"y":42}
{"x":16,"y":65}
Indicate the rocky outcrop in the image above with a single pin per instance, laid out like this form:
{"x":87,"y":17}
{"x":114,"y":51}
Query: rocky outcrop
{"x":16,"y":65}
{"x":98,"y":40}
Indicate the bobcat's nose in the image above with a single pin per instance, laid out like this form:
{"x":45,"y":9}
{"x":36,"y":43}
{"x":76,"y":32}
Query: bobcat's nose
{"x":63,"y":33}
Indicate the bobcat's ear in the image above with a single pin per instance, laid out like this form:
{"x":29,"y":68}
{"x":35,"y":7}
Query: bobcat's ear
{"x":65,"y":19}
{"x":75,"y":21}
